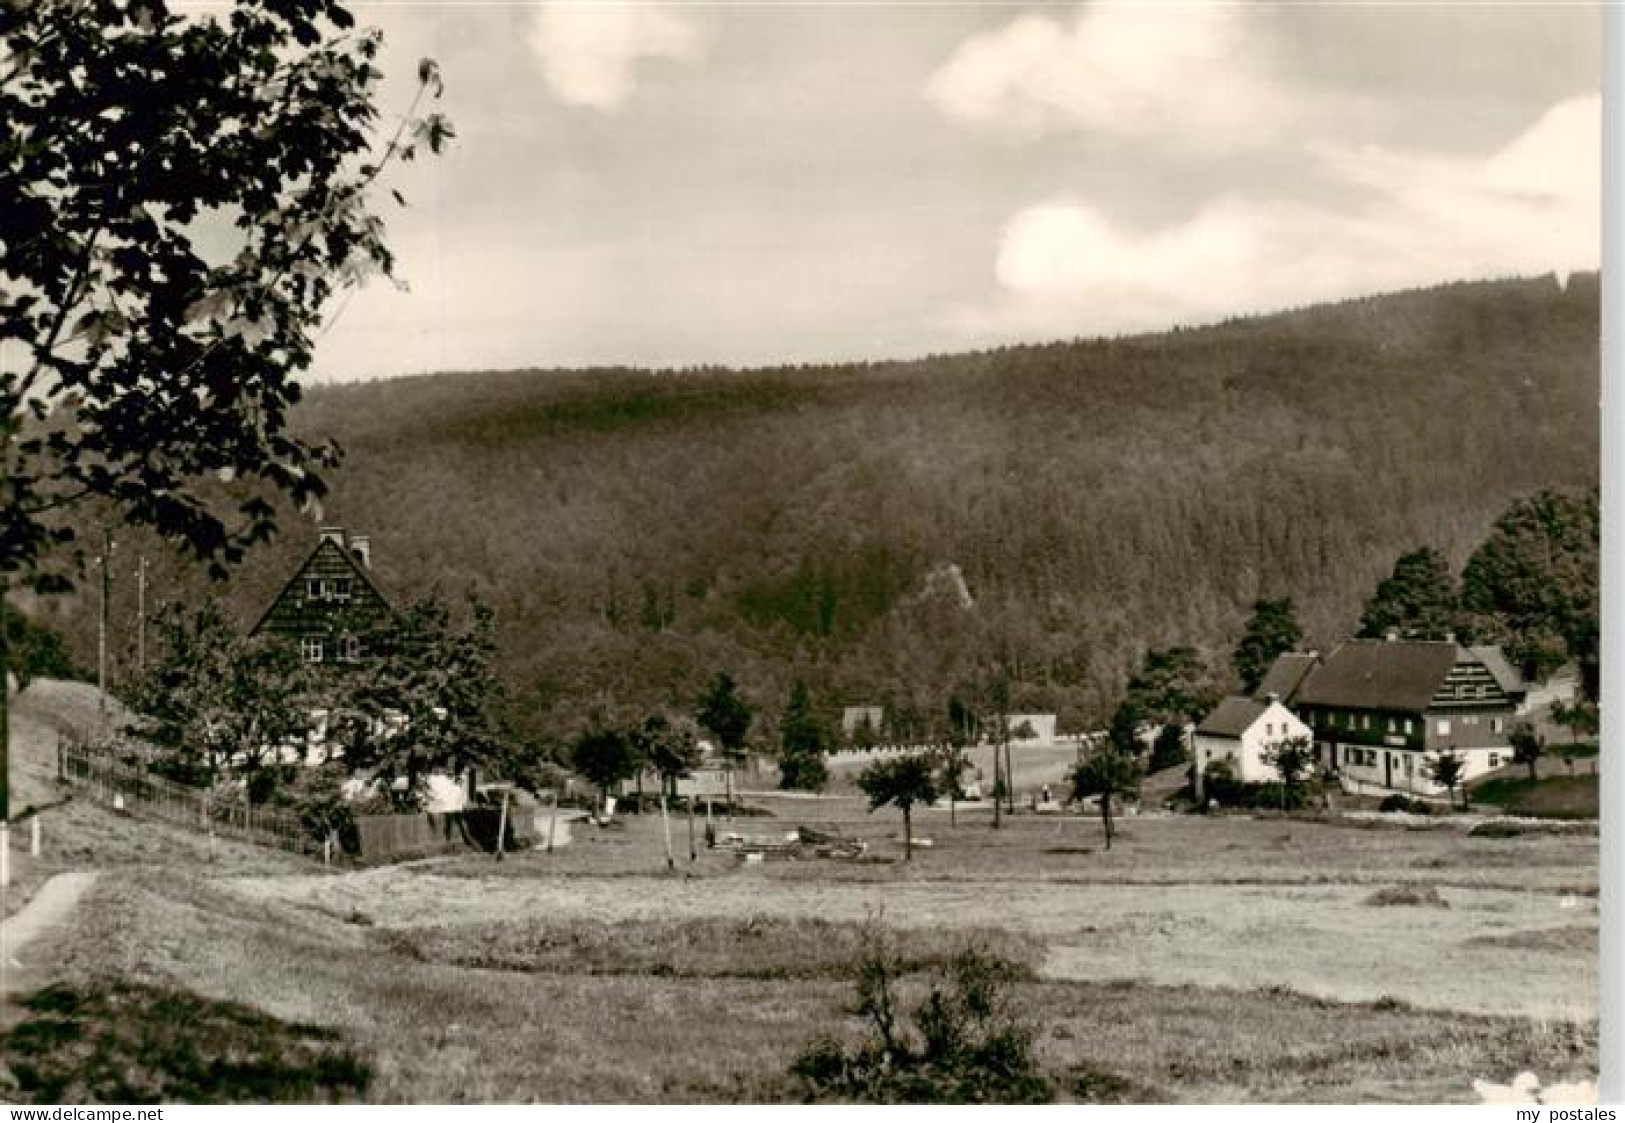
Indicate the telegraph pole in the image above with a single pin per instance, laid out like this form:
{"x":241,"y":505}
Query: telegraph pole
{"x":101,"y":631}
{"x":141,"y":616}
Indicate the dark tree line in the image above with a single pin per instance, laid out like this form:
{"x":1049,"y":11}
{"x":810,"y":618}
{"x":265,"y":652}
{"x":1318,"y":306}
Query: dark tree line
{"x":1097,"y":500}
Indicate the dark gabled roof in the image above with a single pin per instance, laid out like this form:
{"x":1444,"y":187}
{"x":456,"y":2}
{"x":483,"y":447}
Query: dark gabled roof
{"x":1380,"y":675}
{"x":330,"y":548}
{"x":1232,"y":717}
{"x":1285,"y":675}
{"x":1504,"y":673}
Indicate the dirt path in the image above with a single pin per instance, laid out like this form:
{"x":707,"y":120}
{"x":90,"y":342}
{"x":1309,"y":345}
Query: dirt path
{"x":22,"y":959}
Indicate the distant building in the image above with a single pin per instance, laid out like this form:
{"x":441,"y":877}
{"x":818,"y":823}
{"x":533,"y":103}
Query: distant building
{"x":1383,"y":710}
{"x":854,"y":718}
{"x":330,"y":603}
{"x":1242,"y":731}
{"x":1032,"y":729}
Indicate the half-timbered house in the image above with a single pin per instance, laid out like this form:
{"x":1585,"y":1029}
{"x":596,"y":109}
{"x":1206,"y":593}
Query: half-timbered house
{"x":331,"y":603}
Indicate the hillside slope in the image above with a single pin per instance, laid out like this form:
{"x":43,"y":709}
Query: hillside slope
{"x":638,"y":531}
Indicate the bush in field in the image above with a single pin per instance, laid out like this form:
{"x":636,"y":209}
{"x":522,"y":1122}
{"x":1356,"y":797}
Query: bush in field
{"x":964,"y":1045}
{"x":1406,"y":804}
{"x":1415,"y":896}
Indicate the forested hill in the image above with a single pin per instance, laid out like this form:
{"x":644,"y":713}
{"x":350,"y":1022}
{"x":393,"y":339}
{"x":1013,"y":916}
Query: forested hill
{"x":637,"y":532}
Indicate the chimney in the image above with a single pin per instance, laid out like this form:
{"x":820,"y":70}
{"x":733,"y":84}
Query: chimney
{"x":361,"y":548}
{"x":333,"y":534}
{"x":1272,"y":697}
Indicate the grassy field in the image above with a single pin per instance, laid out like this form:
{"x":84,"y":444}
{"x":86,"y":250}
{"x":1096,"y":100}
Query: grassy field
{"x":1268,"y":958}
{"x":1551,"y":796}
{"x":574,"y":1010}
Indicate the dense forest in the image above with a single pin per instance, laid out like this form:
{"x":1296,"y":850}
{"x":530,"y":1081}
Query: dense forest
{"x":893,"y":532}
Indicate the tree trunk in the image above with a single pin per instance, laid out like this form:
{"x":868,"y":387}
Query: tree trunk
{"x":1009,"y":780}
{"x":665,"y":826}
{"x":692,"y":853}
{"x":1106,"y":817}
{"x":998,"y":796}
{"x":908,"y":836}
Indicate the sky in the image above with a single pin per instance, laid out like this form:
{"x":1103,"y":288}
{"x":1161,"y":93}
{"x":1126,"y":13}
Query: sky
{"x":675,"y":184}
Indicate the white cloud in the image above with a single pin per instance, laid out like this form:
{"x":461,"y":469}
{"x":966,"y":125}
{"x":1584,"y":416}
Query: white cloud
{"x":1063,"y":267}
{"x":1190,"y":74}
{"x":589,"y":52}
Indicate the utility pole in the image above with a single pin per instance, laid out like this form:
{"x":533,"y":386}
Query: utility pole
{"x":101,"y":630}
{"x":141,"y":616}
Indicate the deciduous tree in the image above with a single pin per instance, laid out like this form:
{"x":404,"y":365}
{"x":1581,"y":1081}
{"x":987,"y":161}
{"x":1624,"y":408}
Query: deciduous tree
{"x":721,"y":712}
{"x":603,"y":755}
{"x":1108,"y":773}
{"x":672,"y":752}
{"x":1447,"y":770}
{"x":1293,"y":759}
{"x":903,"y":781}
{"x":424,"y":699}
{"x":180,"y":196}
{"x":1418,"y":600}
{"x":220,"y":704}
{"x":1527,"y":748}
{"x":1534,"y":582}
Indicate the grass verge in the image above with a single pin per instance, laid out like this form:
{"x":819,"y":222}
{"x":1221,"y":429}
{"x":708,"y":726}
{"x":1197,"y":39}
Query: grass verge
{"x":115,"y":1041}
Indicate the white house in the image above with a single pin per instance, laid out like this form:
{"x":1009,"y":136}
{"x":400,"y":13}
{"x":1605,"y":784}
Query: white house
{"x":1241,"y":730}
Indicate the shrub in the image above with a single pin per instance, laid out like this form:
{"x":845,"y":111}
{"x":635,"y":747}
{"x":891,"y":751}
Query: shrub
{"x":964,"y":1045}
{"x":1406,"y":804}
{"x":1413,"y":895}
{"x":1497,"y":828}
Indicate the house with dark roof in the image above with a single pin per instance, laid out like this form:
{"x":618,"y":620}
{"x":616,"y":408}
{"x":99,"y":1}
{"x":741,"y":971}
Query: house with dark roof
{"x":1286,"y":674}
{"x":1242,"y":731}
{"x":1382,"y":710}
{"x":331,"y":603}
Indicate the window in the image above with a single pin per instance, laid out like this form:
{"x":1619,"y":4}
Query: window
{"x":316,"y":589}
{"x":310,"y":649}
{"x":1497,"y":725}
{"x":1470,"y":719}
{"x":1495,"y":760}
{"x":1444,"y":727}
{"x":1393,"y":726}
{"x":1365,"y":721}
{"x":1408,"y":764}
{"x":1408,"y":726}
{"x":350,"y":649}
{"x":341,"y":588}
{"x":1269,"y":729}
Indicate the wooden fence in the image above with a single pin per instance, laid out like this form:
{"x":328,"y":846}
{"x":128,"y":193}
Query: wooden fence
{"x":99,"y":773}
{"x":130,"y":787}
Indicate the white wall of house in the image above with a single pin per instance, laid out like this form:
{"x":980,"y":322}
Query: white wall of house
{"x":1246,"y":753}
{"x":1375,"y":769}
